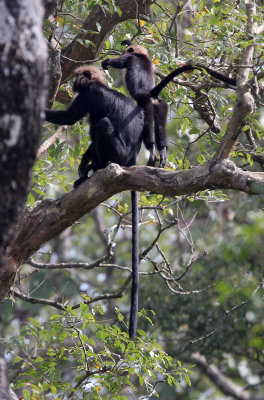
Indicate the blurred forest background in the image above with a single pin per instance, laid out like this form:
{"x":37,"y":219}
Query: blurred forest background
{"x":64,"y":321}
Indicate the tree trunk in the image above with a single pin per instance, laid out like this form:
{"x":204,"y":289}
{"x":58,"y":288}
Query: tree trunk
{"x":23,"y":59}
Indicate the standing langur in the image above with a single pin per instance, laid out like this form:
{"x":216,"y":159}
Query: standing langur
{"x":116,"y":130}
{"x":139,"y":79}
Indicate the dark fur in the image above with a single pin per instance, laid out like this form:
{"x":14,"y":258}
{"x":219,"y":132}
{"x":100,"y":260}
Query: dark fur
{"x":126,"y":42}
{"x":139,"y":78}
{"x":190,"y":67}
{"x":116,"y":130}
{"x":116,"y":124}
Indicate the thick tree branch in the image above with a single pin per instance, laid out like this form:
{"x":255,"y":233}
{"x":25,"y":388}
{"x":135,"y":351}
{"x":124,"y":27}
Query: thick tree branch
{"x":226,"y":386}
{"x":51,"y":217}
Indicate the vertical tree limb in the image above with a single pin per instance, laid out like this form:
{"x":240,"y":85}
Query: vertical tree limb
{"x":23,"y":59}
{"x":245,"y":102}
{"x":4,"y":385}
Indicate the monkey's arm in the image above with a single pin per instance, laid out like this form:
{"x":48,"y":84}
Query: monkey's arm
{"x":77,"y":110}
{"x":118,"y":62}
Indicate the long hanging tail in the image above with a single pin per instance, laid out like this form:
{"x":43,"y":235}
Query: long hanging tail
{"x":134,"y":288}
{"x":189,"y":67}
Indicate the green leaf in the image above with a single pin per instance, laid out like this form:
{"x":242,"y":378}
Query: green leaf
{"x":17,"y":359}
{"x":26,"y":394}
{"x":200,"y":6}
{"x":119,"y":11}
{"x":53,"y":389}
{"x":35,"y":322}
{"x":201,"y":159}
{"x":187,"y":379}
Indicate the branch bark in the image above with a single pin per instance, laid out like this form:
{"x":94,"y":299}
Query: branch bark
{"x":46,"y":145}
{"x":245,"y":102}
{"x":23,"y":59}
{"x":54,"y":70}
{"x":4,"y":385}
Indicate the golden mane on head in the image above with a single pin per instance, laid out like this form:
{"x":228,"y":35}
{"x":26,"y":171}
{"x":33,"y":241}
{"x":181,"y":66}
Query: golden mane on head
{"x":85,"y":75}
{"x":137,"y":49}
{"x":95,"y":73}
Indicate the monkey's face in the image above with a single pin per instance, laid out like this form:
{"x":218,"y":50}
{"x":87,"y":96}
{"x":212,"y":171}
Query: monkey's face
{"x":85,"y":75}
{"x":82,"y":80}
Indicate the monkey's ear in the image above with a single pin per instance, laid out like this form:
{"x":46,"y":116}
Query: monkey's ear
{"x":126,"y":42}
{"x":87,"y":74}
{"x":105,"y":64}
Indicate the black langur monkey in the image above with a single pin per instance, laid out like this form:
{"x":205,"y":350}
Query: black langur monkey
{"x":139,"y":78}
{"x":116,"y":130}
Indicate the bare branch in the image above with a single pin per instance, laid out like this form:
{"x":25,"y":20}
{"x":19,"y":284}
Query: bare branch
{"x":221,"y":322}
{"x":46,"y":145}
{"x":106,"y":296}
{"x":87,"y":266}
{"x":147,"y":250}
{"x":188,"y":292}
{"x":189,"y":265}
{"x":34,"y":300}
{"x":228,"y":387}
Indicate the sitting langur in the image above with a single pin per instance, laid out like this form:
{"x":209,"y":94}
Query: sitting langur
{"x":116,"y":130}
{"x":139,"y":79}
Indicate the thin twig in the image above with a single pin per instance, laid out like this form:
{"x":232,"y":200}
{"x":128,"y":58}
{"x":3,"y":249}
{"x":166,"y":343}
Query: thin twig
{"x":45,"y":145}
{"x":227,"y":315}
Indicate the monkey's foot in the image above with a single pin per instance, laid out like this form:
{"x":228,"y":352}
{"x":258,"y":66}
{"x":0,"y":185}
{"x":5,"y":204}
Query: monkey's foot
{"x":153,"y":158}
{"x":163,"y":158}
{"x":79,"y":181}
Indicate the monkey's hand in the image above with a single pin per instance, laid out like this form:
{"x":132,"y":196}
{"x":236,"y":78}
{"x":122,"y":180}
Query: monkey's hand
{"x":105,"y":64}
